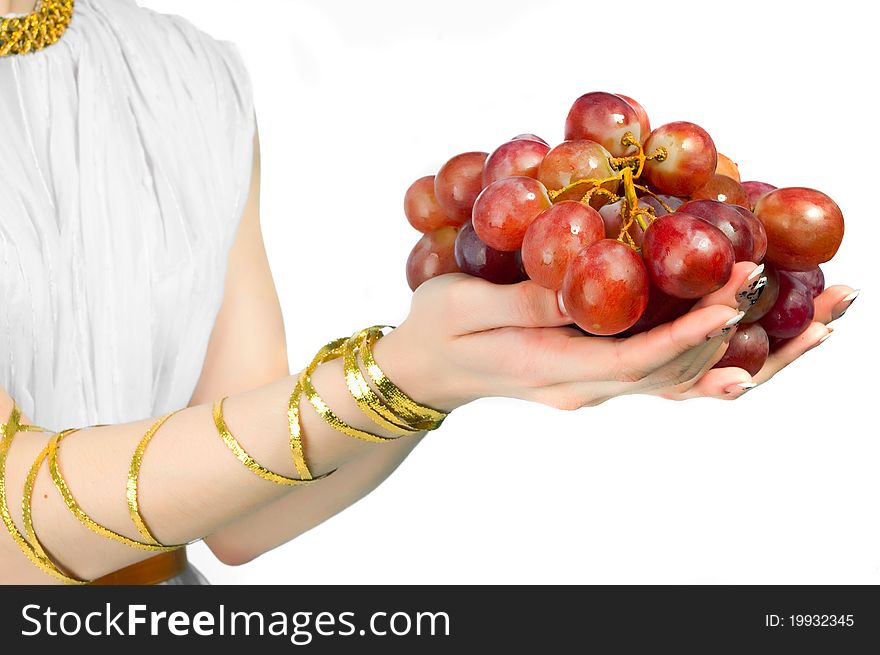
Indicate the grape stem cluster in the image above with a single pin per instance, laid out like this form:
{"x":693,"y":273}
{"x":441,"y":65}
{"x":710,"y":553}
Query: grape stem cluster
{"x":627,"y":170}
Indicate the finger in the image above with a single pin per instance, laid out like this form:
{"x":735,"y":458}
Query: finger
{"x":727,"y":383}
{"x":701,"y":331}
{"x":486,"y":306}
{"x":743,"y":276}
{"x":833,"y":302}
{"x":790,"y":350}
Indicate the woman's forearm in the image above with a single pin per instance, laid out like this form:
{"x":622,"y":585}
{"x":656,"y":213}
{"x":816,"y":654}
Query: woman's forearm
{"x":191,"y":485}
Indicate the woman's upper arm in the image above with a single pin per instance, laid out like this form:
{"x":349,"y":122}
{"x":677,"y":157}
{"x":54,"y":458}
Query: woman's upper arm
{"x":247,"y":348}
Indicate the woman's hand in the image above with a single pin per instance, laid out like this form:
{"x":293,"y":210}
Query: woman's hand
{"x":830,"y":305}
{"x":466,"y":338}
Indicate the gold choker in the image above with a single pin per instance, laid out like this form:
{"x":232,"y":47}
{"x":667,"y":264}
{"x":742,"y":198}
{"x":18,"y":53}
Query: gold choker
{"x":20,"y":35}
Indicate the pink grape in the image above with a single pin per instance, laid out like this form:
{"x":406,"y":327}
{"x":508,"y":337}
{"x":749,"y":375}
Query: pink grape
{"x":725,"y":217}
{"x":804,"y":227}
{"x":755,"y":191}
{"x":603,"y":118}
{"x":421,"y":208}
{"x":793,"y":310}
{"x":722,"y":189}
{"x":662,"y":308}
{"x":687,"y":257}
{"x":571,"y":161}
{"x":516,"y":157}
{"x":504,"y":210}
{"x":690,"y":160}
{"x":726,"y":166}
{"x":476,"y":258}
{"x":458,"y":183}
{"x":433,"y":255}
{"x":748,"y":349}
{"x":605,"y":289}
{"x":612,"y":220}
{"x":530,"y":137}
{"x":555,"y":237}
{"x":644,"y":122}
{"x":672,"y":202}
{"x":814,"y":280}
{"x":759,"y":234}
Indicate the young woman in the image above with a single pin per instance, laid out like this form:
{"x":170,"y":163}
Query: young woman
{"x":136,"y":294}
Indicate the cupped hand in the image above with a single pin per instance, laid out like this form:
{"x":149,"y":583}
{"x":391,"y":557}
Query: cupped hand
{"x":830,"y":305}
{"x":466,"y":338}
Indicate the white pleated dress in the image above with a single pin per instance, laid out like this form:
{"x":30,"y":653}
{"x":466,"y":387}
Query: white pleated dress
{"x":125,"y":162}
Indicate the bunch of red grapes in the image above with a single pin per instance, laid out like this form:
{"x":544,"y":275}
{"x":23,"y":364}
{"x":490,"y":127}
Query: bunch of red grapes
{"x":633,"y":226}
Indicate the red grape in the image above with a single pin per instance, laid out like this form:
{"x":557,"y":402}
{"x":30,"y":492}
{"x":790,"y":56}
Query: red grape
{"x":576,"y":160}
{"x":728,"y":220}
{"x":433,"y":255}
{"x":804,"y":227}
{"x":476,"y":258}
{"x":421,"y":208}
{"x":814,"y":280}
{"x":759,"y":234}
{"x":661,"y":309}
{"x":748,"y":349}
{"x":529,"y":137}
{"x":458,"y":183}
{"x":722,"y":189}
{"x":644,"y":122}
{"x":555,"y":237}
{"x":726,"y":166}
{"x":517,"y":157}
{"x":605,"y":289}
{"x":793,"y":310}
{"x":767,"y":298}
{"x":756,"y":190}
{"x":687,"y":257}
{"x":612,"y":219}
{"x":672,"y":202}
{"x":504,"y":209}
{"x":603,"y":118}
{"x":690,"y":160}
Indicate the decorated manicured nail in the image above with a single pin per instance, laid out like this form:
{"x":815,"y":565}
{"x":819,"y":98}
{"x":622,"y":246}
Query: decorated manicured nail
{"x":751,"y":290}
{"x":727,"y":327}
{"x":841,"y":307}
{"x":825,"y":338}
{"x":740,"y":389}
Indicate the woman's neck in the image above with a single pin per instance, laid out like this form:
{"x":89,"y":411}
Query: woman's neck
{"x":17,"y":6}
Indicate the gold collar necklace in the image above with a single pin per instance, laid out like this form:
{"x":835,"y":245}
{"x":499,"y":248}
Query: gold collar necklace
{"x":42,"y":27}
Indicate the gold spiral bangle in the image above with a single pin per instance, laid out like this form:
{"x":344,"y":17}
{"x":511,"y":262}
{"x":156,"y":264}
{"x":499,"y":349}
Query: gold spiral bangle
{"x":416,"y":414}
{"x":370,"y":404}
{"x":134,"y":473}
{"x":27,"y":511}
{"x":333,"y":350}
{"x":46,"y":565}
{"x":249,"y":462}
{"x":79,"y":513}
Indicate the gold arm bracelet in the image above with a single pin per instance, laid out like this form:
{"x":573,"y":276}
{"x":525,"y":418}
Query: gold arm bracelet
{"x":333,"y":350}
{"x":37,"y":557}
{"x":370,"y":404}
{"x":249,"y":462}
{"x":416,"y":414}
{"x":80,"y":514}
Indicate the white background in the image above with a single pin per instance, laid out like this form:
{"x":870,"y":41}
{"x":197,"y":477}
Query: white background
{"x":357,"y":99}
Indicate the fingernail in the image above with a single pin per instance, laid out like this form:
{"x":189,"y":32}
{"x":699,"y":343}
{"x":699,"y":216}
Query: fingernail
{"x":752,"y":289}
{"x":561,"y":304}
{"x":822,"y":340}
{"x":841,"y":307}
{"x":740,"y":388}
{"x":727,"y":327}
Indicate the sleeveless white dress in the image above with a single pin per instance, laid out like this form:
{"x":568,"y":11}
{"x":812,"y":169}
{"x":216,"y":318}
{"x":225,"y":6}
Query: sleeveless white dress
{"x":125,"y":161}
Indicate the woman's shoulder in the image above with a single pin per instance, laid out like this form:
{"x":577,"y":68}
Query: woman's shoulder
{"x":171,"y":47}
